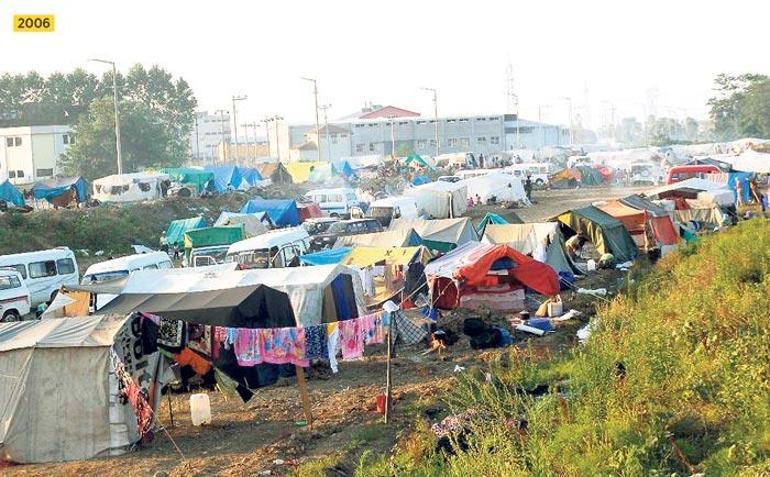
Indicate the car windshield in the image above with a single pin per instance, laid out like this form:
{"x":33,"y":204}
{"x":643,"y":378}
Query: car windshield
{"x":252,"y":259}
{"x":103,"y":277}
{"x":317,"y":227}
{"x":337,"y":228}
{"x":380,"y":211}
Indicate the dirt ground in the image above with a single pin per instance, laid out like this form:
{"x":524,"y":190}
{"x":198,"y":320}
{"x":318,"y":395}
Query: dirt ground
{"x":267,"y":436}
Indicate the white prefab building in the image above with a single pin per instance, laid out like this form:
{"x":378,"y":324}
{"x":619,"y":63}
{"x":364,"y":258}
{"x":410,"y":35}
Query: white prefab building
{"x":31,"y":153}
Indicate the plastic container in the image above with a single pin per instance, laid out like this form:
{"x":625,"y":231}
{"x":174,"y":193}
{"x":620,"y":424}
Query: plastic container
{"x":555,"y":308}
{"x":380,"y":403}
{"x":200,"y":409}
{"x":591,"y":265}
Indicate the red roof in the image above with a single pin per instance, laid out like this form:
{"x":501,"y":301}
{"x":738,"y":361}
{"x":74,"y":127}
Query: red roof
{"x":389,"y":111}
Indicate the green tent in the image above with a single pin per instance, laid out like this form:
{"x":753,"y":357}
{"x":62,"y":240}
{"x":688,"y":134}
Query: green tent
{"x":212,"y":236}
{"x":177,"y":228}
{"x":603,"y":230}
{"x":188,"y":175}
{"x":496,"y":219}
{"x":418,"y":159}
{"x":441,"y":235}
{"x":589,"y":176}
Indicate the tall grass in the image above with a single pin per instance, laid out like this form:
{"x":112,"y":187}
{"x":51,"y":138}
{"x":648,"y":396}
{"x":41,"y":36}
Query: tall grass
{"x":675,"y":381}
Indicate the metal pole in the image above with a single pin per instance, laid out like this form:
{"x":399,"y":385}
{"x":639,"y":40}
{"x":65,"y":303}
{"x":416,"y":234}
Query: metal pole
{"x":267,"y":133}
{"x":277,"y":137}
{"x":435,"y":117}
{"x":317,"y":121}
{"x":392,"y":138}
{"x":235,"y":125}
{"x":328,"y":138}
{"x":117,"y":116}
{"x":222,"y":132}
{"x":246,"y":135}
{"x":197,"y":139}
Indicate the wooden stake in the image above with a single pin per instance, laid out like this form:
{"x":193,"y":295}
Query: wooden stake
{"x":170,"y":407}
{"x":387,"y":368}
{"x":303,"y":394}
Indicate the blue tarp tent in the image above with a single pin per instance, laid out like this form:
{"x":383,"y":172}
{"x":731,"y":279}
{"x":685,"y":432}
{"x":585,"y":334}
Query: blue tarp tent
{"x":420,"y":180}
{"x":11,"y":194}
{"x":53,"y":188}
{"x":226,"y":177}
{"x":177,"y":228}
{"x":282,"y":212}
{"x":343,"y":168}
{"x":744,"y":178}
{"x":326,"y":257}
{"x":251,"y":176}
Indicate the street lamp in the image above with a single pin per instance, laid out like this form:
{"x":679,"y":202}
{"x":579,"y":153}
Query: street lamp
{"x":235,"y":124}
{"x":328,"y":140}
{"x":571,"y":133}
{"x":435,"y":115}
{"x":276,"y":120}
{"x":115,"y":106}
{"x":221,"y":113}
{"x":317,"y":122}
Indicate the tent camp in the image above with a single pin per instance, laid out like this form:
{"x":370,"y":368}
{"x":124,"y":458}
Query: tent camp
{"x":302,"y":171}
{"x":440,"y":200}
{"x":177,"y":228}
{"x":318,"y":294}
{"x":528,"y":238}
{"x":441,"y":235}
{"x":649,"y":225}
{"x":59,"y":396}
{"x":61,"y":191}
{"x":134,"y":187}
{"x":482,"y":274}
{"x":503,"y":187}
{"x":404,"y":237}
{"x":275,"y":171}
{"x":490,"y":218}
{"x":253,"y":224}
{"x":226,"y":177}
{"x":11,"y":194}
{"x":197,"y":178}
{"x":695,"y":189}
{"x":282,"y":212}
{"x":606,"y":233}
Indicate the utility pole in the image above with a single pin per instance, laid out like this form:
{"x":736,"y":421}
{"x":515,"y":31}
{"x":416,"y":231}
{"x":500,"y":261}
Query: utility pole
{"x":235,"y":125}
{"x":117,"y":115}
{"x":222,"y":132}
{"x":392,"y":137}
{"x":435,"y":117}
{"x":245,"y":127}
{"x":317,"y":122}
{"x":197,"y":139}
{"x":328,"y":140}
{"x":267,"y":133}
{"x":276,"y":120}
{"x":571,"y":129}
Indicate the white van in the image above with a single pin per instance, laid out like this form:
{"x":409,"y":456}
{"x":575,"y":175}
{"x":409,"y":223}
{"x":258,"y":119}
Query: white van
{"x":334,"y":202}
{"x":123,"y":266}
{"x":389,"y":208}
{"x":44,"y":272}
{"x":275,"y":249}
{"x":14,"y":295}
{"x":539,"y":172}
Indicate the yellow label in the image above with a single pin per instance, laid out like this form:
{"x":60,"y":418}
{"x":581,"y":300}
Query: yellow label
{"x":33,"y":23}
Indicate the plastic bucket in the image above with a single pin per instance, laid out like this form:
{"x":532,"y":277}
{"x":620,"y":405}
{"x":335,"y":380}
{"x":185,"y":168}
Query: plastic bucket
{"x":379,"y":401}
{"x":200,"y":409}
{"x":555,"y":308}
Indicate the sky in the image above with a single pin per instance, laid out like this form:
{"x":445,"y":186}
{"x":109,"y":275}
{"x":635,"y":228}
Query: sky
{"x":636,"y":57}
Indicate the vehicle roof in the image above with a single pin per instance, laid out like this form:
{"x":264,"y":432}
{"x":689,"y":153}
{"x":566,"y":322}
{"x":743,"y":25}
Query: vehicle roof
{"x":6,"y":272}
{"x":24,"y":255}
{"x":353,"y":221}
{"x":124,"y":263}
{"x":274,"y":238}
{"x":332,"y":190}
{"x":695,"y":167}
{"x":393,"y":201}
{"x":320,"y":219}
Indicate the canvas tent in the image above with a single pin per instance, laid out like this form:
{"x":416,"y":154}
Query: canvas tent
{"x":226,"y":177}
{"x":606,"y":233}
{"x":134,"y":187}
{"x":318,"y":294}
{"x":177,"y":228}
{"x":404,"y":237}
{"x":528,"y":238}
{"x":251,"y":177}
{"x":197,"y":178}
{"x":283,"y":212}
{"x":695,"y":188}
{"x":415,"y":160}
{"x":503,"y":187}
{"x":61,"y":191}
{"x":490,"y":218}
{"x":441,"y":235}
{"x":58,"y":393}
{"x":253,"y":224}
{"x":276,"y":172}
{"x":440,"y":200}
{"x":493,"y":275}
{"x":11,"y":194}
{"x":648,"y":226}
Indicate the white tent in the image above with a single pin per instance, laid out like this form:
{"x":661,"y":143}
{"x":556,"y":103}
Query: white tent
{"x":704,"y":190}
{"x":129,"y":187}
{"x":253,"y":224}
{"x":747,"y":161}
{"x":58,"y":392}
{"x":441,"y":200}
{"x":504,"y":187}
{"x":305,"y":286}
{"x":528,"y":238}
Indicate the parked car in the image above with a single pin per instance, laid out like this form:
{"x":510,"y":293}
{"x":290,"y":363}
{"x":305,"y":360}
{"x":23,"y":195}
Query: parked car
{"x":390,"y":208}
{"x":319,"y":225}
{"x":681,"y":173}
{"x":14,"y":295}
{"x":345,"y":228}
{"x":44,"y":271}
{"x":275,"y":249}
{"x":334,"y":202}
{"x":121,"y":267}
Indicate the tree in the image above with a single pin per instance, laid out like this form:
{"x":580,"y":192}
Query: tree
{"x":145,"y":141}
{"x":734,"y":111}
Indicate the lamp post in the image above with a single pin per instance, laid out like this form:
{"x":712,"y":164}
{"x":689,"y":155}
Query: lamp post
{"x":267,"y":133}
{"x":435,"y":116}
{"x":275,"y":119}
{"x":221,"y":113}
{"x":115,"y":105}
{"x":235,"y":124}
{"x":571,"y":133}
{"x":328,"y":139}
{"x":317,"y":122}
{"x":392,"y":137}
{"x":540,"y":108}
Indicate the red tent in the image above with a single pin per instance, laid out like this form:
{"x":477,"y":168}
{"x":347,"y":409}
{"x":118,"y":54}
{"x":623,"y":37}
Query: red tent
{"x":309,"y":210}
{"x":491,"y":273}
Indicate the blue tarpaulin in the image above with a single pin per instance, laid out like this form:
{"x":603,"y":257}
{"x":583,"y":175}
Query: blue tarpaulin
{"x":343,"y":168}
{"x":744,"y":178}
{"x":226,"y":177}
{"x":420,"y":180}
{"x":282,"y":212}
{"x":251,"y":176}
{"x":489,"y":218}
{"x":11,"y":194}
{"x":177,"y":228}
{"x":53,"y":188}
{"x":326,"y":257}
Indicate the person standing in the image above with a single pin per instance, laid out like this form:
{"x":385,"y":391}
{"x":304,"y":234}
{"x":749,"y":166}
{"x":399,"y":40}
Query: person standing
{"x":528,"y":187}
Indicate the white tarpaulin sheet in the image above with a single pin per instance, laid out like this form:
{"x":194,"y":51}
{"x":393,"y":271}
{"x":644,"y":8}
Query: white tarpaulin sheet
{"x":128,"y":187}
{"x":747,"y":161}
{"x":503,"y":187}
{"x":440,"y":200}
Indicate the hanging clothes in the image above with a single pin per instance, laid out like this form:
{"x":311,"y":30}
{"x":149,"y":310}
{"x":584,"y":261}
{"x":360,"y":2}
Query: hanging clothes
{"x":316,"y":344}
{"x":283,"y":346}
{"x":333,"y":344}
{"x":373,"y":328}
{"x":351,"y":339}
{"x":247,"y":347}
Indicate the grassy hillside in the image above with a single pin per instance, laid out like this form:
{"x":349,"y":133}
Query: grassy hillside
{"x":674,"y":381}
{"x":111,"y":229}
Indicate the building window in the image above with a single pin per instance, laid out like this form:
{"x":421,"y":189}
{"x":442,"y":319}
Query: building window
{"x":481,"y":119}
{"x":360,"y":147}
{"x":452,"y":142}
{"x":19,"y":174}
{"x":450,"y":121}
{"x":45,"y":172}
{"x":422,"y":144}
{"x":359,"y":125}
{"x":12,"y":174}
{"x":373,"y":125}
{"x":465,"y":142}
{"x":420,"y":122}
{"x":494,"y":119}
{"x":371,"y":147}
{"x":13,"y":141}
{"x":481,"y":139}
{"x":463,"y":120}
{"x":403,"y":123}
{"x":494,"y":140}
{"x":432,"y":143}
{"x":334,"y":139}
{"x":68,"y":139}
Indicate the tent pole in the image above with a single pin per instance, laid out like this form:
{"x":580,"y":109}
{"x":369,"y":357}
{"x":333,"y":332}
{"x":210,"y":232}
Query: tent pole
{"x":387,"y":368}
{"x":301,"y":383}
{"x":170,"y":407}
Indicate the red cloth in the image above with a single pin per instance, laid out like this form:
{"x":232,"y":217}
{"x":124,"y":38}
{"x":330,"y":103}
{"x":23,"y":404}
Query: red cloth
{"x":665,"y":232}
